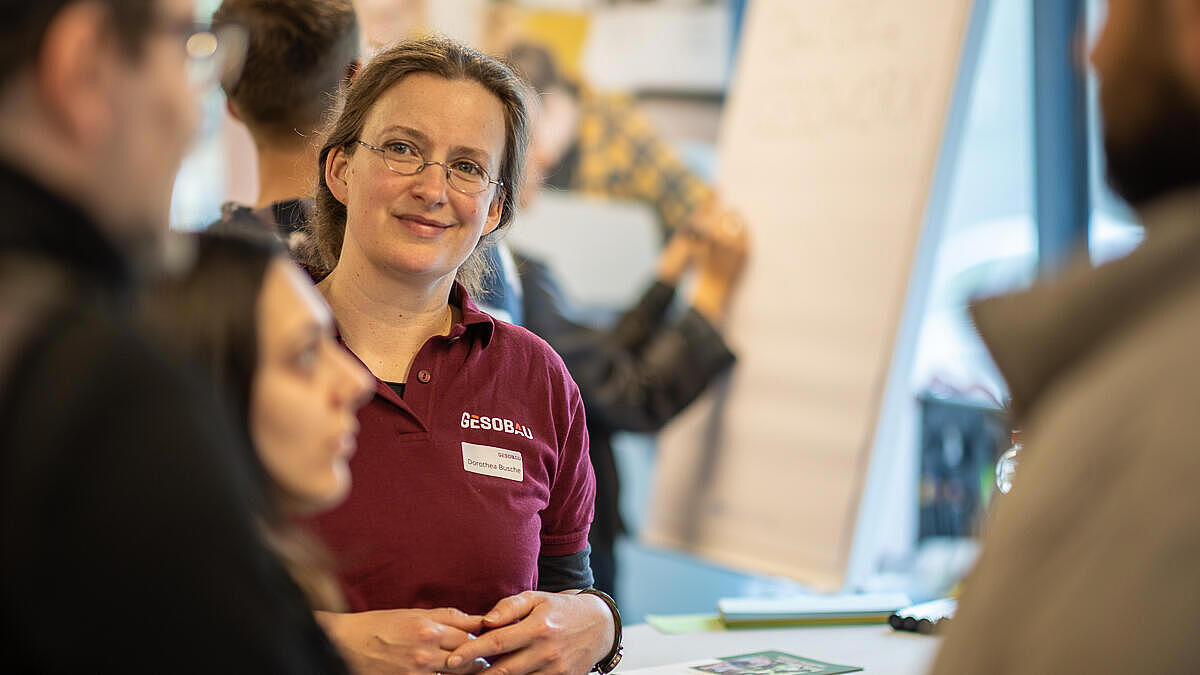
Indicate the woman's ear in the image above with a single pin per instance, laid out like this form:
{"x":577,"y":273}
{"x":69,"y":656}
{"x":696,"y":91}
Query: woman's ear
{"x":495,"y":210}
{"x":337,"y":167}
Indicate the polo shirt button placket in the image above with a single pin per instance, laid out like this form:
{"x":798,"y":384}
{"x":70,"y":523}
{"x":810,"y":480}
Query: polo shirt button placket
{"x":423,"y":377}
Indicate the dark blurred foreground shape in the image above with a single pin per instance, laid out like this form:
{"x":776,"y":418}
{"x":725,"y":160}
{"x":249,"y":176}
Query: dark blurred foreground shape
{"x":125,"y":510}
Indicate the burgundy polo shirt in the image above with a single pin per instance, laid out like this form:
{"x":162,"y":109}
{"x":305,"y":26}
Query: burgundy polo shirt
{"x":462,"y":484}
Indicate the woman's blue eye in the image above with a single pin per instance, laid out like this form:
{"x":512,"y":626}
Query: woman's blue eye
{"x":469,"y":168}
{"x":400,"y":148}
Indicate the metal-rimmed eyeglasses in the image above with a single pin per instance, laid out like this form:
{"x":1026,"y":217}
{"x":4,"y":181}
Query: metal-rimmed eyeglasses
{"x":463,"y":175}
{"x":215,"y":54}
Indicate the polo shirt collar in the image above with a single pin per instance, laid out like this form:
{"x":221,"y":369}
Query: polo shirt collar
{"x":474,"y":320}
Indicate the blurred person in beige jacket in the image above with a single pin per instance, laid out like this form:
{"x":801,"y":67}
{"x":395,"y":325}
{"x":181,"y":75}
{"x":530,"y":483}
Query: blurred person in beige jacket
{"x":1090,"y":564}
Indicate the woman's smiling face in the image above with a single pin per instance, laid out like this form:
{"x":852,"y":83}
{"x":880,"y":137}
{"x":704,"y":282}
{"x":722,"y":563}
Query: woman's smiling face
{"x":419,"y":226}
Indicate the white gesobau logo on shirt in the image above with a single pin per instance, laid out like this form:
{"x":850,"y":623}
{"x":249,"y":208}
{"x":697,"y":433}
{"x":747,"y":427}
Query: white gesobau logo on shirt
{"x":473,"y":421}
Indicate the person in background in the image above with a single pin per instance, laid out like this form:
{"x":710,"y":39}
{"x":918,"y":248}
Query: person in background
{"x":125,"y":509}
{"x":244,"y":313}
{"x":472,"y":486}
{"x":647,"y":368}
{"x":640,"y":373}
{"x":598,"y":143}
{"x":1089,"y":563}
{"x":299,"y":55}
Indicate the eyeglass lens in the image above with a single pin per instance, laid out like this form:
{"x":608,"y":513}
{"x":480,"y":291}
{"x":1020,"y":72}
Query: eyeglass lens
{"x":462,"y":175}
{"x":215,"y":55}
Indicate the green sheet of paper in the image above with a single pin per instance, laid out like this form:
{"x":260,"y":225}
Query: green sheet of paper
{"x":771,"y":663}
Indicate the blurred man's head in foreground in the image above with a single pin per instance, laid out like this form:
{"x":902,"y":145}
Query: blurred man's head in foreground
{"x":1147,"y":59}
{"x":98,"y":107}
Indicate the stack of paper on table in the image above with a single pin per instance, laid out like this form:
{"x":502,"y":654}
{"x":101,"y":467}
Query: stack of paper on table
{"x":811,"y":609}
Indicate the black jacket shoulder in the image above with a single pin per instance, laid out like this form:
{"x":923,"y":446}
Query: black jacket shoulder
{"x":127,"y":508}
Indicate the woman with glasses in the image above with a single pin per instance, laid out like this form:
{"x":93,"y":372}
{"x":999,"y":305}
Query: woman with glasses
{"x":472,"y":484}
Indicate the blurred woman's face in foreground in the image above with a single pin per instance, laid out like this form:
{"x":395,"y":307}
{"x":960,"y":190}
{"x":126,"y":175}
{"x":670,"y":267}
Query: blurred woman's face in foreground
{"x":305,"y":393}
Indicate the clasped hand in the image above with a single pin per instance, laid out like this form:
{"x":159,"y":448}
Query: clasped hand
{"x":552,"y":633}
{"x":559,"y":633}
{"x":402,"y":640}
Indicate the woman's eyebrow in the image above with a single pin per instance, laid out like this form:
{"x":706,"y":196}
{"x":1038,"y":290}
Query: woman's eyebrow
{"x":419,"y":136}
{"x":415,"y":134}
{"x":473,"y":153}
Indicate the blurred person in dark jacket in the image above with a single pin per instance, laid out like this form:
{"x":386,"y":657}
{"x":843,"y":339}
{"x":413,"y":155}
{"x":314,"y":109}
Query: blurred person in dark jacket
{"x":602,"y":145}
{"x":1089,"y":564}
{"x":638,"y":374}
{"x":641,"y":372}
{"x":125,"y":506}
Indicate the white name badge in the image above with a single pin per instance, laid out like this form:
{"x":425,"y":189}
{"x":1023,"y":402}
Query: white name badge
{"x":490,"y":461}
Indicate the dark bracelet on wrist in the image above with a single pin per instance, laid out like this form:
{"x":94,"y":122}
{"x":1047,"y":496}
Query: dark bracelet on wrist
{"x":609,"y":662}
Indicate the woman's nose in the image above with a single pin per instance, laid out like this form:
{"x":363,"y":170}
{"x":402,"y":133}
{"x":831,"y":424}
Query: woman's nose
{"x":432,"y":182}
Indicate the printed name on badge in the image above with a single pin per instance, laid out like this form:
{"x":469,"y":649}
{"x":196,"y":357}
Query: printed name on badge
{"x":491,"y":461}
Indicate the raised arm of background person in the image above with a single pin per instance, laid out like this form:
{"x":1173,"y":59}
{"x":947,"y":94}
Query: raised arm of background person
{"x":723,"y":244}
{"x":128,"y":540}
{"x":641,"y":373}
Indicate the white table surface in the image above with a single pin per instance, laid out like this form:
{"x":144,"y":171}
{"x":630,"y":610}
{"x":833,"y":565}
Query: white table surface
{"x":876,"y":648}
